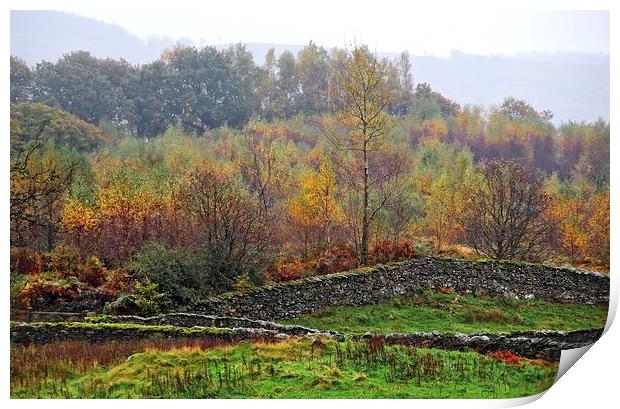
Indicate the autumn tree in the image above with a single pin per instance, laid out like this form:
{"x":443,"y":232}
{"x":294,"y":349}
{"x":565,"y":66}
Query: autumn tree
{"x":405,"y":209}
{"x":78,"y":220}
{"x":228,"y":224}
{"x":582,"y":218}
{"x":41,"y":175}
{"x":599,"y":226}
{"x":361,"y":98}
{"x":449,"y":198}
{"x":264,"y":164}
{"x":316,"y":206}
{"x":505,"y":219}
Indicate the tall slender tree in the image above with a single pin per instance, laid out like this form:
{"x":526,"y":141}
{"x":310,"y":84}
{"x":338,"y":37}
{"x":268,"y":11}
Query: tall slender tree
{"x":361,"y":99}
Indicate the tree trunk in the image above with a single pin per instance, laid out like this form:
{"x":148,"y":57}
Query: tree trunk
{"x":50,"y":238}
{"x":365,"y":221}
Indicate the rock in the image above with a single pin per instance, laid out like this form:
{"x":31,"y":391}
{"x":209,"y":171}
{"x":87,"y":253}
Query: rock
{"x":480,"y":338}
{"x":132,"y":357}
{"x":317,"y":343}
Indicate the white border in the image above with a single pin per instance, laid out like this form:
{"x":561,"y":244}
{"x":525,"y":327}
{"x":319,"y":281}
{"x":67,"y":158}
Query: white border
{"x":593,"y":380}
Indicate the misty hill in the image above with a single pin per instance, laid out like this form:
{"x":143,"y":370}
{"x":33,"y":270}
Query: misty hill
{"x":47,"y":35}
{"x":572,"y":86}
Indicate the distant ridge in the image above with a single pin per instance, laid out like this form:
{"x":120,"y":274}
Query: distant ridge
{"x":573,"y":86}
{"x":47,"y":35}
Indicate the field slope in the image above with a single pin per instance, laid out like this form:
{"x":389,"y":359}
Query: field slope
{"x":427,"y":312}
{"x":293,"y":369}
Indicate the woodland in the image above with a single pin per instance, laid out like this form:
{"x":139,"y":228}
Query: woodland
{"x":202,"y":172}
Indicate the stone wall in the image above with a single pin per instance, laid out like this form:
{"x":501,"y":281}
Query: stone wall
{"x":46,"y":332}
{"x":546,"y":345}
{"x":199,"y":320}
{"x":371,"y":285}
{"x":532,"y":344}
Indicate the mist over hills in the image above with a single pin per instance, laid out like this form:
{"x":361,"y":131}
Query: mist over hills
{"x":573,"y":86}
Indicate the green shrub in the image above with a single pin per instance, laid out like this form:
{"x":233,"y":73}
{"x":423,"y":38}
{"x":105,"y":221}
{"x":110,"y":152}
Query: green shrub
{"x":176,"y":271}
{"x":144,"y":299}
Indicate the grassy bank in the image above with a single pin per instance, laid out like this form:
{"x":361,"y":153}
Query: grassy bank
{"x":293,"y":369}
{"x":428,"y":312}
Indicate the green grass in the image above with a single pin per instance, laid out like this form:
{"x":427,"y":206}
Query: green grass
{"x":287,"y":370}
{"x":428,"y":312}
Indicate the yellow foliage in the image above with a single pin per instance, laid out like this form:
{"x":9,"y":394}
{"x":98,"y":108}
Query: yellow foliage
{"x":583,"y":218}
{"x":316,"y":205}
{"x":436,"y":127}
{"x":448,"y":199}
{"x":78,"y":216}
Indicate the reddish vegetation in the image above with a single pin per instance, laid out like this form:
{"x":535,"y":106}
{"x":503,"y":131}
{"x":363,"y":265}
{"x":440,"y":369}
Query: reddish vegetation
{"x":337,"y":259}
{"x":507,"y":357}
{"x":510,"y":358}
{"x":376,"y":344}
{"x":53,"y":278}
{"x":25,"y":261}
{"x":387,"y":251}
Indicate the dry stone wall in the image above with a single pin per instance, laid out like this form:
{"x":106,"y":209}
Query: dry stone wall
{"x":199,"y":320}
{"x":46,"y":332}
{"x":532,"y":344}
{"x":546,"y":345}
{"x":371,"y":285}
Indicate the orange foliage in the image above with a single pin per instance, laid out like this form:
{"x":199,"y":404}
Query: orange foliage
{"x":583,"y":220}
{"x":39,"y":290}
{"x":335,"y":260}
{"x":387,"y":251}
{"x":288,"y":270}
{"x":62,"y":275}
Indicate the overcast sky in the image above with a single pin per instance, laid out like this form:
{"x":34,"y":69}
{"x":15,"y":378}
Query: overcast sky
{"x":387,"y":29}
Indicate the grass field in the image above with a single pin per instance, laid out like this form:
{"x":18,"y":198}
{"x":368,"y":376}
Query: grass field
{"x":292,"y":369}
{"x":184,"y":368}
{"x":428,"y":312}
